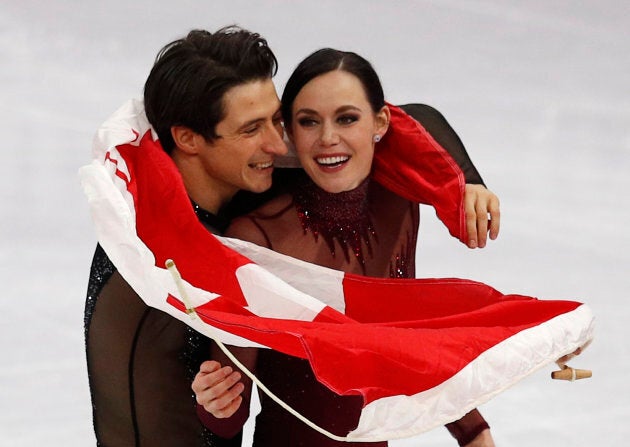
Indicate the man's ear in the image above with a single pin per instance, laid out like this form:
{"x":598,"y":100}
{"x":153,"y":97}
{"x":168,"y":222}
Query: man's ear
{"x":186,"y":139}
{"x":383,"y":118}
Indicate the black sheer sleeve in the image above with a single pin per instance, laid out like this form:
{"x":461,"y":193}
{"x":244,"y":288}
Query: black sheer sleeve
{"x":435,"y":123}
{"x":141,"y":362}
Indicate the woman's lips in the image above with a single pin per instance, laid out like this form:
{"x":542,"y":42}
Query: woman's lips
{"x":331,"y":161}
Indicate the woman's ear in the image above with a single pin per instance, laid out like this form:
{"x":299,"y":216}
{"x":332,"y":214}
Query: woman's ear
{"x":289,"y":133}
{"x":383,"y":118}
{"x":185,"y":139}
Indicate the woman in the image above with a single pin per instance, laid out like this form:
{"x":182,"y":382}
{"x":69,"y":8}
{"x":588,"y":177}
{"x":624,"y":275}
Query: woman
{"x":334,"y":216}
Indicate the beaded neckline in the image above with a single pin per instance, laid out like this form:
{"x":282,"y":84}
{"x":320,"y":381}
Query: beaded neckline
{"x":341,"y":217}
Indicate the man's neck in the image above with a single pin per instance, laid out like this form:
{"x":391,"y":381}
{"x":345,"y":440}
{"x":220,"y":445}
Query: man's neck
{"x":200,"y":186}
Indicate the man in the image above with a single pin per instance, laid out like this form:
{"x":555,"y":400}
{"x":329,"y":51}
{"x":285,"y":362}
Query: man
{"x":211,"y":100}
{"x":213,"y":104}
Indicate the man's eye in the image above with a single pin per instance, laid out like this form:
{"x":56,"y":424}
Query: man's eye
{"x":347,"y":119}
{"x":251,"y":130}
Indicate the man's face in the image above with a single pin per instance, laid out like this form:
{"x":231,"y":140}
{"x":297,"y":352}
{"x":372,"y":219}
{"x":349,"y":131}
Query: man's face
{"x":250,"y":137}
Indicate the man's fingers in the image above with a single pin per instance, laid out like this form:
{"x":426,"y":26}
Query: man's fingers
{"x":495,"y":219}
{"x":482,"y":226}
{"x":471,"y":217}
{"x":471,"y":227}
{"x":483,"y":217}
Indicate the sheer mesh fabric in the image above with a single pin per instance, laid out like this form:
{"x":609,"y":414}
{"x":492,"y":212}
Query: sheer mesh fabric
{"x":435,"y":123}
{"x":141,"y":363}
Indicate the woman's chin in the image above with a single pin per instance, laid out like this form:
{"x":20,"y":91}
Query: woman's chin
{"x":335,"y":187}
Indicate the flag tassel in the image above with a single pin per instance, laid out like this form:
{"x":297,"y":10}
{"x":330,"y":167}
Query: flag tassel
{"x":568,"y":373}
{"x":571,"y":374}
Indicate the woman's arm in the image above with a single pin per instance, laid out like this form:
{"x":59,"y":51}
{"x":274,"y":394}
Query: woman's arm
{"x":222,"y":392}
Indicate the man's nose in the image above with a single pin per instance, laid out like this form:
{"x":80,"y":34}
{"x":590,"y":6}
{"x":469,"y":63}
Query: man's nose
{"x":274,"y":141}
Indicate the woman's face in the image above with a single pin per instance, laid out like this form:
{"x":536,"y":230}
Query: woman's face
{"x":333,"y":128}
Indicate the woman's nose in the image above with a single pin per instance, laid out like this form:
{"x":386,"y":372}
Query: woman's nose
{"x":328,"y":136}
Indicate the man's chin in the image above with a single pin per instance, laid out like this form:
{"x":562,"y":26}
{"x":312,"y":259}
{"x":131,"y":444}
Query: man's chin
{"x":259,"y":187}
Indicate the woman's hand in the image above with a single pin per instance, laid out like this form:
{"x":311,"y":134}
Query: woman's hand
{"x":218,"y":389}
{"x":483,"y":215}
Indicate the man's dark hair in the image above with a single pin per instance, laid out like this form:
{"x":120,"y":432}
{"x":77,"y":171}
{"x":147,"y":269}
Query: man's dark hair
{"x":323,"y":61}
{"x":190,"y":76}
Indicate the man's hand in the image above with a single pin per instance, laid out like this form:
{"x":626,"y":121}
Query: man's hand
{"x":483,"y":215}
{"x":218,"y":389}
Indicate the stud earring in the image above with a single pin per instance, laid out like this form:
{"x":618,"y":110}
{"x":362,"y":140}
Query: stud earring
{"x":377,"y":138}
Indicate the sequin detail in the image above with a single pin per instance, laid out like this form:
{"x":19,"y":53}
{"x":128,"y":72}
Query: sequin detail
{"x":400,"y":266}
{"x":101,"y":270}
{"x":216,"y":223}
{"x":341,"y":217}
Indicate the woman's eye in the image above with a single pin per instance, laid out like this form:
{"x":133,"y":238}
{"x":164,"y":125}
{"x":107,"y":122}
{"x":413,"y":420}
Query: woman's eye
{"x":347,"y":119}
{"x":307,"y":122}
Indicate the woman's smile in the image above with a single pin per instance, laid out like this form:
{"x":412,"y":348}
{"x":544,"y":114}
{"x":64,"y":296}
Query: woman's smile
{"x":332,"y":161}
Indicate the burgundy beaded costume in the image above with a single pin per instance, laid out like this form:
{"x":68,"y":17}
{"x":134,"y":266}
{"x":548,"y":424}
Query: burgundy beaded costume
{"x":379,"y":229}
{"x":368,"y":231}
{"x":340,"y":219}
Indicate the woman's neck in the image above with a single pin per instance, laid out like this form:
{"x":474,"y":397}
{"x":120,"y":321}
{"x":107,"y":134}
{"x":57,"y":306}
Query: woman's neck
{"x":341,"y":217}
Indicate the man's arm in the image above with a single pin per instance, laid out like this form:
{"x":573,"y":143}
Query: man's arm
{"x":482,"y":205}
{"x":435,"y":123}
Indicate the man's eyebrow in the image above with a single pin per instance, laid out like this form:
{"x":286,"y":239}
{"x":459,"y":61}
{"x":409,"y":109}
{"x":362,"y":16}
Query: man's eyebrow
{"x":253,"y":121}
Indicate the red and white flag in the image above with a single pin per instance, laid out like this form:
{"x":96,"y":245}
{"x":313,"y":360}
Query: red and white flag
{"x":422,"y":353}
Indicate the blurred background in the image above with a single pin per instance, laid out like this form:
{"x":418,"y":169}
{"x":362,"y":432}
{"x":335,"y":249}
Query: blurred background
{"x":538,"y":91}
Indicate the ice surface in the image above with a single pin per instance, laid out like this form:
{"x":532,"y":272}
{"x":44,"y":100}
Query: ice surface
{"x":539,"y":91}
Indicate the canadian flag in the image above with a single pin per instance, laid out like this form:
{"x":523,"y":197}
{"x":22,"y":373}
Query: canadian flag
{"x":421,"y":353}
